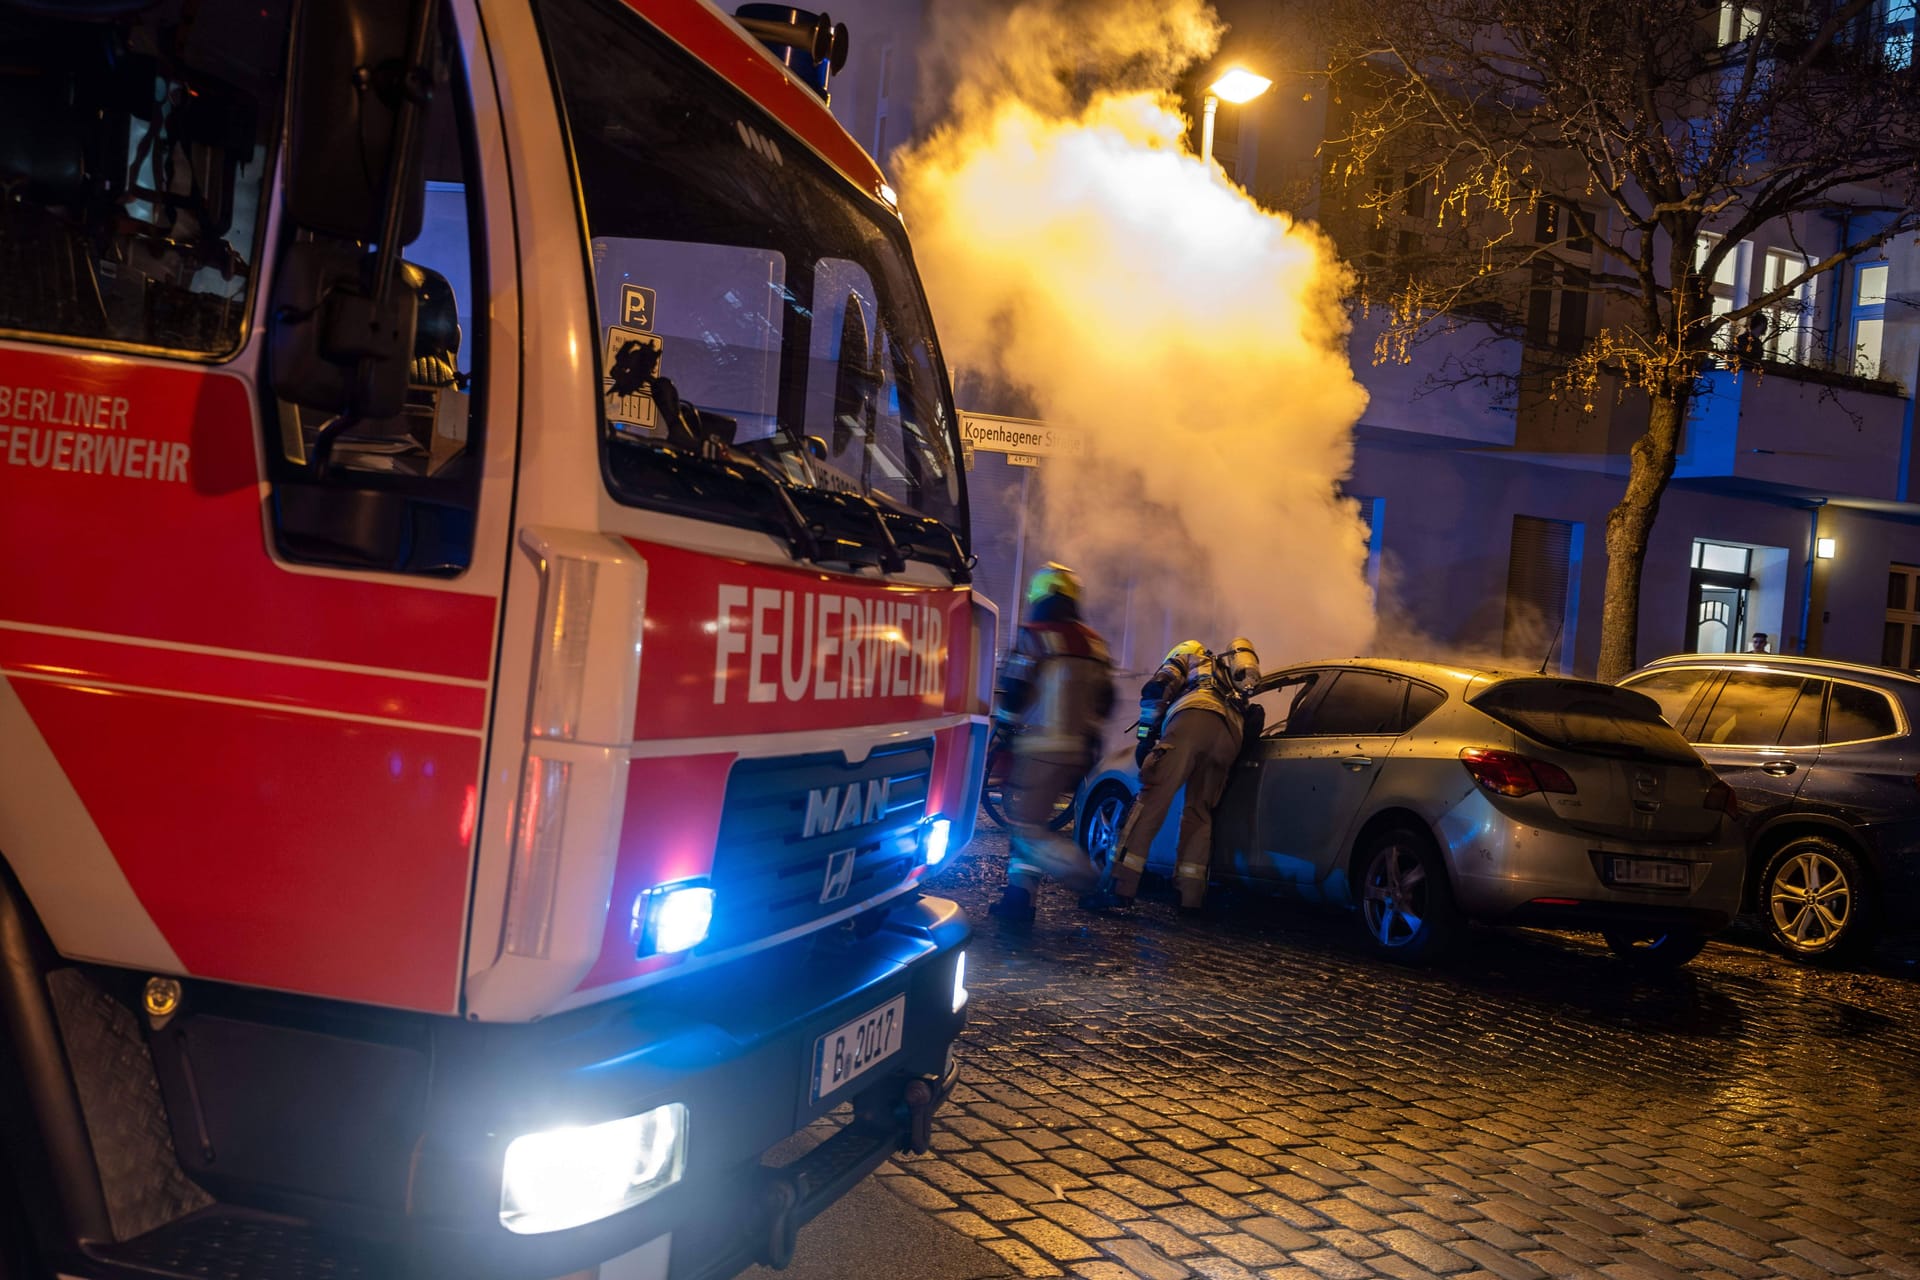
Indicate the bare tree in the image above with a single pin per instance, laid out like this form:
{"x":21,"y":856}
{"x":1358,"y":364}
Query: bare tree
{"x":1591,"y":143}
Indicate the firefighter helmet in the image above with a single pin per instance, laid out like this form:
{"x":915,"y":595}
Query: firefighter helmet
{"x":1185,"y":652}
{"x":1053,"y":579}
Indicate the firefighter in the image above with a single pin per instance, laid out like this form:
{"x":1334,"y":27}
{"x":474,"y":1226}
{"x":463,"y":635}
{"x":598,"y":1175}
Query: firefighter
{"x":1201,"y":698}
{"x":1054,"y":696}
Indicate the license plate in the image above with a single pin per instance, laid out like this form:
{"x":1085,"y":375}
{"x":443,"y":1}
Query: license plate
{"x":848,"y":1052}
{"x":1657,"y":872}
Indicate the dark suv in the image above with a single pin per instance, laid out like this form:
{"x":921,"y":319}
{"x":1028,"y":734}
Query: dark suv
{"x":1823,"y":756}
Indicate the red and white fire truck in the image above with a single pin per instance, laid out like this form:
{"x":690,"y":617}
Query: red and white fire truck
{"x":486,"y":647}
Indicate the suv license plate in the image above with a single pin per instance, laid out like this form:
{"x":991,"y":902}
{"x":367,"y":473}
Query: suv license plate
{"x":1650,"y":871}
{"x":848,"y":1052}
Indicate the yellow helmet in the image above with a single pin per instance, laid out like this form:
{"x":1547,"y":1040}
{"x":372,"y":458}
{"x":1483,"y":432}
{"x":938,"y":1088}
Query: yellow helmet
{"x":1185,"y":651}
{"x":1053,"y":580}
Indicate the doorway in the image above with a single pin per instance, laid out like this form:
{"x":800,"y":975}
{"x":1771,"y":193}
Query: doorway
{"x":1718,"y":593}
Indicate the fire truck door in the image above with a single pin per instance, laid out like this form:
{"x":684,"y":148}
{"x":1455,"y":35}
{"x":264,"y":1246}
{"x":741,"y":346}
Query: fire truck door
{"x":419,"y":502}
{"x":245,"y":679}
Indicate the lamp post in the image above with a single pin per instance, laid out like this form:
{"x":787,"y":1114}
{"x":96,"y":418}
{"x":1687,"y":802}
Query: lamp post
{"x":1237,"y":85}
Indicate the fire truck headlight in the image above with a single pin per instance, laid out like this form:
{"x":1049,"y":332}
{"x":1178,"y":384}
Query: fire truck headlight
{"x":939,"y":831}
{"x":673,"y":918}
{"x":562,"y":1178}
{"x":960,"y":982}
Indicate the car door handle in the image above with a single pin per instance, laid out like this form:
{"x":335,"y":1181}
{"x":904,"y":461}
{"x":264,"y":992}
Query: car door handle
{"x":1779,"y":768}
{"x":1357,"y":763}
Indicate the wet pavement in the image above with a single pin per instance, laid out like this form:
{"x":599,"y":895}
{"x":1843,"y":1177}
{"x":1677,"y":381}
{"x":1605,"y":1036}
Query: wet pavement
{"x":1251,"y":1094}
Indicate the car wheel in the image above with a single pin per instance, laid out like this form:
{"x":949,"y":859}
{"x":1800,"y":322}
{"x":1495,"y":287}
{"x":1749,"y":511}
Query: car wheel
{"x":1655,"y":952}
{"x":1406,"y":905}
{"x":1101,"y":820}
{"x":1815,"y":898}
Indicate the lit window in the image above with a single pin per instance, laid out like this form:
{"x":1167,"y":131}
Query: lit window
{"x":1739,"y":22}
{"x":1789,"y":333}
{"x":1727,"y":288}
{"x":1869,"y":317}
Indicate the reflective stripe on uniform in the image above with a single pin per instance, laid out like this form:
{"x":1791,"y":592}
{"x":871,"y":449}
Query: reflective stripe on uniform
{"x":1189,"y":871}
{"x":1133,"y":862}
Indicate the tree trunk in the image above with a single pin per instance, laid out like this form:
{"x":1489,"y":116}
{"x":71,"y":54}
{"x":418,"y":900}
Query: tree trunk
{"x":1630,"y":525}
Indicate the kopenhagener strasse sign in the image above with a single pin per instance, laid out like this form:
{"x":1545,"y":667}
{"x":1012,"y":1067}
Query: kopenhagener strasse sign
{"x":991,"y":433}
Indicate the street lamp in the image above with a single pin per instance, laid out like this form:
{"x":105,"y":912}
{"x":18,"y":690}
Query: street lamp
{"x":1237,"y":85}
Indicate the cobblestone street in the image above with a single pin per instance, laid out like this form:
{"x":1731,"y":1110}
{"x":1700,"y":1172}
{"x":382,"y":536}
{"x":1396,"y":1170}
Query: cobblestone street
{"x":1250,"y":1094}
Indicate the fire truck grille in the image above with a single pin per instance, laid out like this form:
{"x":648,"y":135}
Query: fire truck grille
{"x":803,"y":837}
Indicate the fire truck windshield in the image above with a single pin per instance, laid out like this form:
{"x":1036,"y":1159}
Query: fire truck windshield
{"x":766,"y":355}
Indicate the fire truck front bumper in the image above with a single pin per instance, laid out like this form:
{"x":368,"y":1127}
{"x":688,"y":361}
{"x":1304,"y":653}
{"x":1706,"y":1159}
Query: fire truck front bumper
{"x":684,"y":1132}
{"x":782,"y":1083}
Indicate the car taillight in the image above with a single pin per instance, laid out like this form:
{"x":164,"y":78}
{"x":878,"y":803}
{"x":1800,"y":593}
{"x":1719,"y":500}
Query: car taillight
{"x":1509,"y":774}
{"x":1720,"y":796}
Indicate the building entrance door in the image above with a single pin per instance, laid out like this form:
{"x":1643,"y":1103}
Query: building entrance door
{"x":1717,"y":612}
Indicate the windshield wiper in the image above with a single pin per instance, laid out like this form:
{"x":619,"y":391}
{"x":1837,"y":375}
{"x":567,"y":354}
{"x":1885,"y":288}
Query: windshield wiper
{"x":859,"y":526}
{"x":855,"y":524}
{"x":926,"y":538}
{"x":691,"y":483}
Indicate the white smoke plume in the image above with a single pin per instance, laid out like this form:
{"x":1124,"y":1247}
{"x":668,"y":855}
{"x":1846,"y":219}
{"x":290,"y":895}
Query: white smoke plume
{"x":1075,"y":249}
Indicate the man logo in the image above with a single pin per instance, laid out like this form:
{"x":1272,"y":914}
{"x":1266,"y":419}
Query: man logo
{"x":831,"y":809}
{"x":839,"y":876}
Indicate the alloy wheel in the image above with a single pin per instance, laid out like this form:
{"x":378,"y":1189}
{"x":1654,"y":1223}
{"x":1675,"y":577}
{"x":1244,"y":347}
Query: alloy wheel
{"x":1105,"y":818}
{"x":1811,"y":900}
{"x":1394,"y":902}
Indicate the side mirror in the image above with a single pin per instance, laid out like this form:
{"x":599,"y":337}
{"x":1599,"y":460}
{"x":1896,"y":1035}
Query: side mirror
{"x":353,"y":71}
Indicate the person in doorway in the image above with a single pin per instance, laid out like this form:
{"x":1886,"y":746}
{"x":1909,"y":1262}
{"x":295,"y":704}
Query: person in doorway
{"x":1053,"y":699}
{"x":1761,"y":643}
{"x":1202,"y":700}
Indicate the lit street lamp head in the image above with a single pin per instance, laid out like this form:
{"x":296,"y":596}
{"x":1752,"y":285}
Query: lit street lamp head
{"x":1239,"y":85}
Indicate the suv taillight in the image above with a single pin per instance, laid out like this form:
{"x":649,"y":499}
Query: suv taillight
{"x":1720,"y":796}
{"x":1508,"y":774}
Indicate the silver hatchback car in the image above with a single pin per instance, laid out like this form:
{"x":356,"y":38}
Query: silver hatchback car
{"x":1425,"y":795}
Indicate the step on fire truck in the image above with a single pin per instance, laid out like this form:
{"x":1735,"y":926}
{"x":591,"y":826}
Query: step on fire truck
{"x":486,"y":648}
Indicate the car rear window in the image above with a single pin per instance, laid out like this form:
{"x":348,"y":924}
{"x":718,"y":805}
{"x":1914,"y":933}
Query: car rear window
{"x":1422,"y":701}
{"x":1578,"y":715}
{"x":1856,"y":714}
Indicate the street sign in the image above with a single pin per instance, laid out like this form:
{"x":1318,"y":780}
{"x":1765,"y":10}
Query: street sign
{"x":636,"y":306}
{"x":1026,"y":437}
{"x":1022,"y":460}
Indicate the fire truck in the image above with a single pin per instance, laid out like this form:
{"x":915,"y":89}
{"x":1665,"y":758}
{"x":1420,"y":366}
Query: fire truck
{"x":487,"y":652}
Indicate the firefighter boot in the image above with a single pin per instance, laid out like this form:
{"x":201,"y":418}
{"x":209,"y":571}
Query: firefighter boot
{"x":1015,"y":906}
{"x":1191,"y":880}
{"x":1120,"y":885}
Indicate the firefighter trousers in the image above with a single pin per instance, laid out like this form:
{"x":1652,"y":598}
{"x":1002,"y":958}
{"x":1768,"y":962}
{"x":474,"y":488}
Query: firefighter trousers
{"x":1196,"y":751}
{"x":1033,"y":786}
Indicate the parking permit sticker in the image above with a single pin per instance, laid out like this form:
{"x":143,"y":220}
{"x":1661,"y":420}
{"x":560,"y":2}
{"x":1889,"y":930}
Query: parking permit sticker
{"x":634,"y":413}
{"x":636,"y":307}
